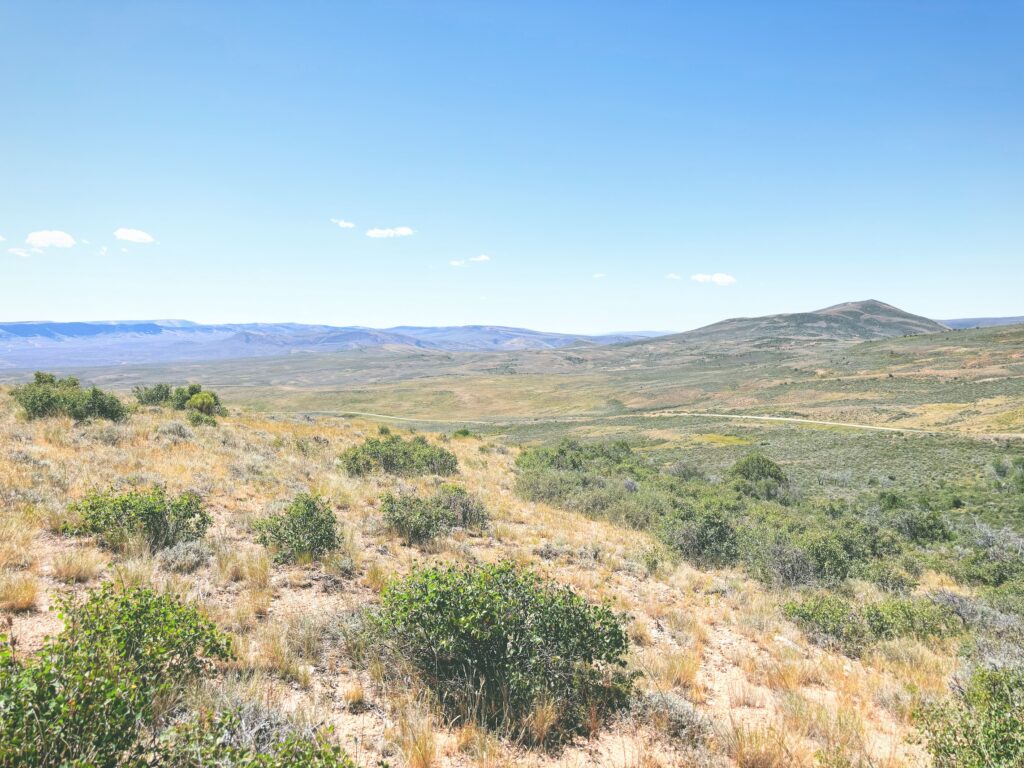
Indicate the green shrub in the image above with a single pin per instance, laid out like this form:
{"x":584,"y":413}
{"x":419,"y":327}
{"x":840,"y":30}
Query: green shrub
{"x":910,"y":617}
{"x":90,"y":695}
{"x":216,"y":740}
{"x":307,"y":529}
{"x":395,"y":456}
{"x":983,"y":727}
{"x":758,"y":476}
{"x":706,"y":537}
{"x":202,"y":402}
{"x":158,"y":394}
{"x":161,"y":520}
{"x":181,"y":396}
{"x":831,"y":621}
{"x":200,"y":419}
{"x":494,"y":642}
{"x":48,"y":396}
{"x":922,"y":526}
{"x":419,"y":520}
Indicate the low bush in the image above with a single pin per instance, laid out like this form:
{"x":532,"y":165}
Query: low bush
{"x":419,"y":520}
{"x":982,"y":727}
{"x":181,"y":396}
{"x":200,"y":419}
{"x":161,"y":520}
{"x":831,"y":621}
{"x":758,"y":476}
{"x":48,"y":396}
{"x":158,"y":394}
{"x":910,"y":617}
{"x":395,"y":456}
{"x":92,"y":694}
{"x":706,"y":537}
{"x":498,"y":645}
{"x":307,"y":529}
{"x":217,"y":740}
{"x":186,"y":557}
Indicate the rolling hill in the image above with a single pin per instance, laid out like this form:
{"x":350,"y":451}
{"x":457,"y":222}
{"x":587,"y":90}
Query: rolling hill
{"x":852,"y":321}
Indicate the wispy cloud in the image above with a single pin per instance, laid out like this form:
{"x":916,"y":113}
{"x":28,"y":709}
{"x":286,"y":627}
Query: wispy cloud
{"x":390,"y":232}
{"x":457,"y":262}
{"x":21,"y":253}
{"x":599,"y":275}
{"x":2,"y":238}
{"x":133,"y":235}
{"x":50,"y":238}
{"x":673,"y":276}
{"x":481,"y":257}
{"x":343,"y":224}
{"x":718,"y":278}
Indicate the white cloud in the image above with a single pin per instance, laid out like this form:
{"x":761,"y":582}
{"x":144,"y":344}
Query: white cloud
{"x":390,"y":232}
{"x":718,"y":278}
{"x":2,"y":238}
{"x":343,"y":224}
{"x":673,"y":276}
{"x":133,"y":235}
{"x":457,"y":262}
{"x":103,"y":250}
{"x":50,"y":238}
{"x":481,"y":257}
{"x":599,"y":275}
{"x":21,"y":253}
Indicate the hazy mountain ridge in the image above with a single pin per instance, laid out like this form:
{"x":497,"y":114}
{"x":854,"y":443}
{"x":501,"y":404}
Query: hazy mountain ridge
{"x":42,"y":344}
{"x":962,"y":323}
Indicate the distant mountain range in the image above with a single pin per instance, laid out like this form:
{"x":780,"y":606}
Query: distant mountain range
{"x":62,"y":345}
{"x":980,"y":322}
{"x":34,"y":345}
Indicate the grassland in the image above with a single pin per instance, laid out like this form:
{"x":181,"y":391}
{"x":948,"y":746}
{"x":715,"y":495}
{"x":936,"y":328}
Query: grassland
{"x":715,"y":638}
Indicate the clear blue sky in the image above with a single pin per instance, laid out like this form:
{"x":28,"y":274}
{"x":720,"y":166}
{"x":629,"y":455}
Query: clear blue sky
{"x":814,"y":152}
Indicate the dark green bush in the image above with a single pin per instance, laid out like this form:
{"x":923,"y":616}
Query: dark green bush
{"x":89,"y":697}
{"x":48,"y":396}
{"x":163,"y":521}
{"x":494,"y":642}
{"x":706,"y":537}
{"x":418,"y":520}
{"x":158,"y":394}
{"x":395,"y":456}
{"x":982,"y":727}
{"x":910,"y":617}
{"x":758,"y":476}
{"x":306,"y":529}
{"x":200,"y":419}
{"x":831,"y":621}
{"x":181,"y":396}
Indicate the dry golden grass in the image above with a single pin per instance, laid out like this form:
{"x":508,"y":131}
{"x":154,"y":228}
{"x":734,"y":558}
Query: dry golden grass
{"x":19,"y":591}
{"x":79,"y":565}
{"x":712,"y":637}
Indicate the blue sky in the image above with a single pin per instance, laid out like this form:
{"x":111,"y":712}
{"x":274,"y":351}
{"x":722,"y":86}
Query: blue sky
{"x":600,"y":155}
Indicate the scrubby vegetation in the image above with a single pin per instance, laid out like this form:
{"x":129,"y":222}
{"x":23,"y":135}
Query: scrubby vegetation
{"x":500,"y":647}
{"x":92,"y":694}
{"x":306,"y":530}
{"x":420,"y":519}
{"x":47,"y":395}
{"x":203,"y":406}
{"x":160,"y":520}
{"x":395,"y":456}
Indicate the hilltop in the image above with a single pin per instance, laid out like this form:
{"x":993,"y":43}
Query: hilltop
{"x":851,"y":321}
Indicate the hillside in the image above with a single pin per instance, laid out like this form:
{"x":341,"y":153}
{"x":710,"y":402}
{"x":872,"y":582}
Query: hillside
{"x":32,"y":345}
{"x":851,"y":321}
{"x":981,"y":322}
